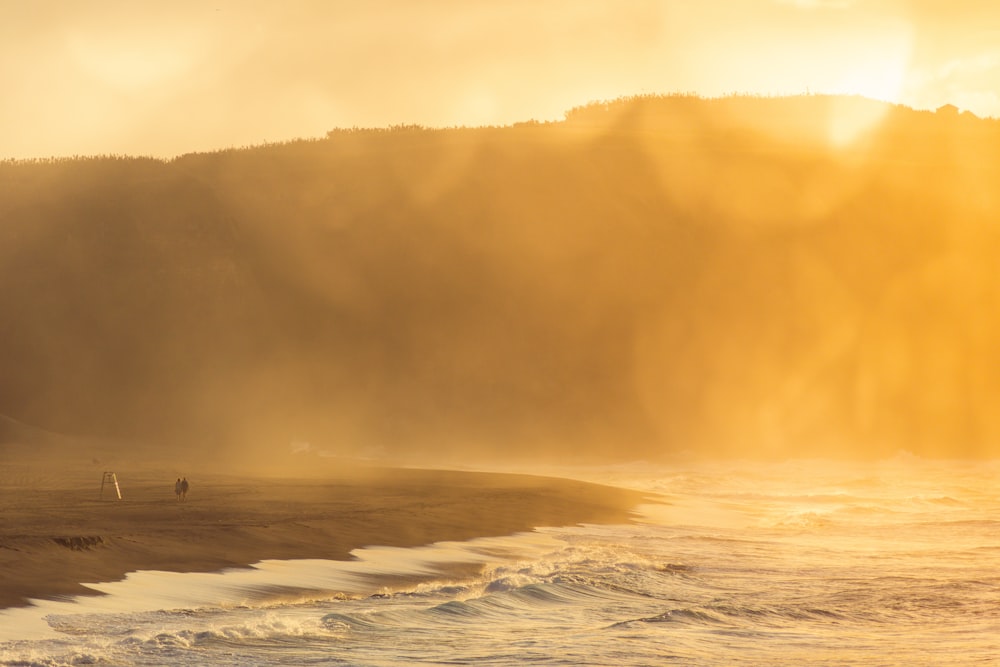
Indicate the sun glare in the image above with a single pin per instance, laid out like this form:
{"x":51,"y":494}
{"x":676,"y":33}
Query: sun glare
{"x":874,"y":74}
{"x":851,"y":118}
{"x":880,"y":83}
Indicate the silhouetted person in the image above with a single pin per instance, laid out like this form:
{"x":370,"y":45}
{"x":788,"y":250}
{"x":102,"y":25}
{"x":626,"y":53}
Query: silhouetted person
{"x":177,"y":488}
{"x":184,"y":488}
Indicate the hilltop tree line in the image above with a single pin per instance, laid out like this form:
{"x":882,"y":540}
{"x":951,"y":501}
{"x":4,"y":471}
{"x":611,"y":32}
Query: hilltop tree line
{"x":651,"y":276}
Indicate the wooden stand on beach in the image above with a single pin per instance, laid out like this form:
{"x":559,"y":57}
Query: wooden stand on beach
{"x":109,"y":478}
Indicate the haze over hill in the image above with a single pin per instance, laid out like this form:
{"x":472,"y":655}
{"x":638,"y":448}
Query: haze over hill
{"x":650,"y":277}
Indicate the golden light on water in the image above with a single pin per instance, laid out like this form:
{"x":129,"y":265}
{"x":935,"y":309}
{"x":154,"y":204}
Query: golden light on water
{"x":738,"y":256}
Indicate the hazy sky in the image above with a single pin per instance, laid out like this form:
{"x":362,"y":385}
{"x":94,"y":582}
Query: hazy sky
{"x":167,"y":77}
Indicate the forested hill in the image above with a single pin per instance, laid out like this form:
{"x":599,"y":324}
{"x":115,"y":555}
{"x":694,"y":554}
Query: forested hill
{"x":658,"y":275}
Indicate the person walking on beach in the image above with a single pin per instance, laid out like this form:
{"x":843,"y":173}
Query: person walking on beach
{"x":177,"y":488}
{"x":184,"y":488}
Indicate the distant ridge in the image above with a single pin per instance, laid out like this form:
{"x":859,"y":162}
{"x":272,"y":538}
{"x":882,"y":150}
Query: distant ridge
{"x":680,"y":275}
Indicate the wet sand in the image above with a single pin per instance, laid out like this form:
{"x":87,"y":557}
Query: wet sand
{"x":57,"y":531}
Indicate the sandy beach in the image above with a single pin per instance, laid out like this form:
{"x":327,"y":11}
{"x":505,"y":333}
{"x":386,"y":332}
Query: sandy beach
{"x":58,"y":531}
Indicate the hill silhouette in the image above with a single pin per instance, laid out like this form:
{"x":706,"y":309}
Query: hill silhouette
{"x":651,"y":276}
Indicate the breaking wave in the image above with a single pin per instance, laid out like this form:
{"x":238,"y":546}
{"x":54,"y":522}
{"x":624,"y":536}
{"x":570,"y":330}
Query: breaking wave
{"x":854,"y":569}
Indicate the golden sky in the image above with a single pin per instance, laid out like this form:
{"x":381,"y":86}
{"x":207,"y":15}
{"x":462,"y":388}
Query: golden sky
{"x":168,"y":77}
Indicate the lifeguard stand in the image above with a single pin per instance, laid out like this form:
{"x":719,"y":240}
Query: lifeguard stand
{"x":109,"y":479}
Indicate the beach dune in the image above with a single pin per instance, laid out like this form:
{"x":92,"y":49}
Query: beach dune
{"x":59,"y":531}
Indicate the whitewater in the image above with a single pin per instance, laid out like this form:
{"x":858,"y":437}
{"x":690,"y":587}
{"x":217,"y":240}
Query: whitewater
{"x":795,"y":563}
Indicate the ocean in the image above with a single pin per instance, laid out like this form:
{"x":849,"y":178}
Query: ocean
{"x":739,"y":563}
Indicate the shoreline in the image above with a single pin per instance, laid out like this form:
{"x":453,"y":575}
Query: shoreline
{"x":57,"y":533}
